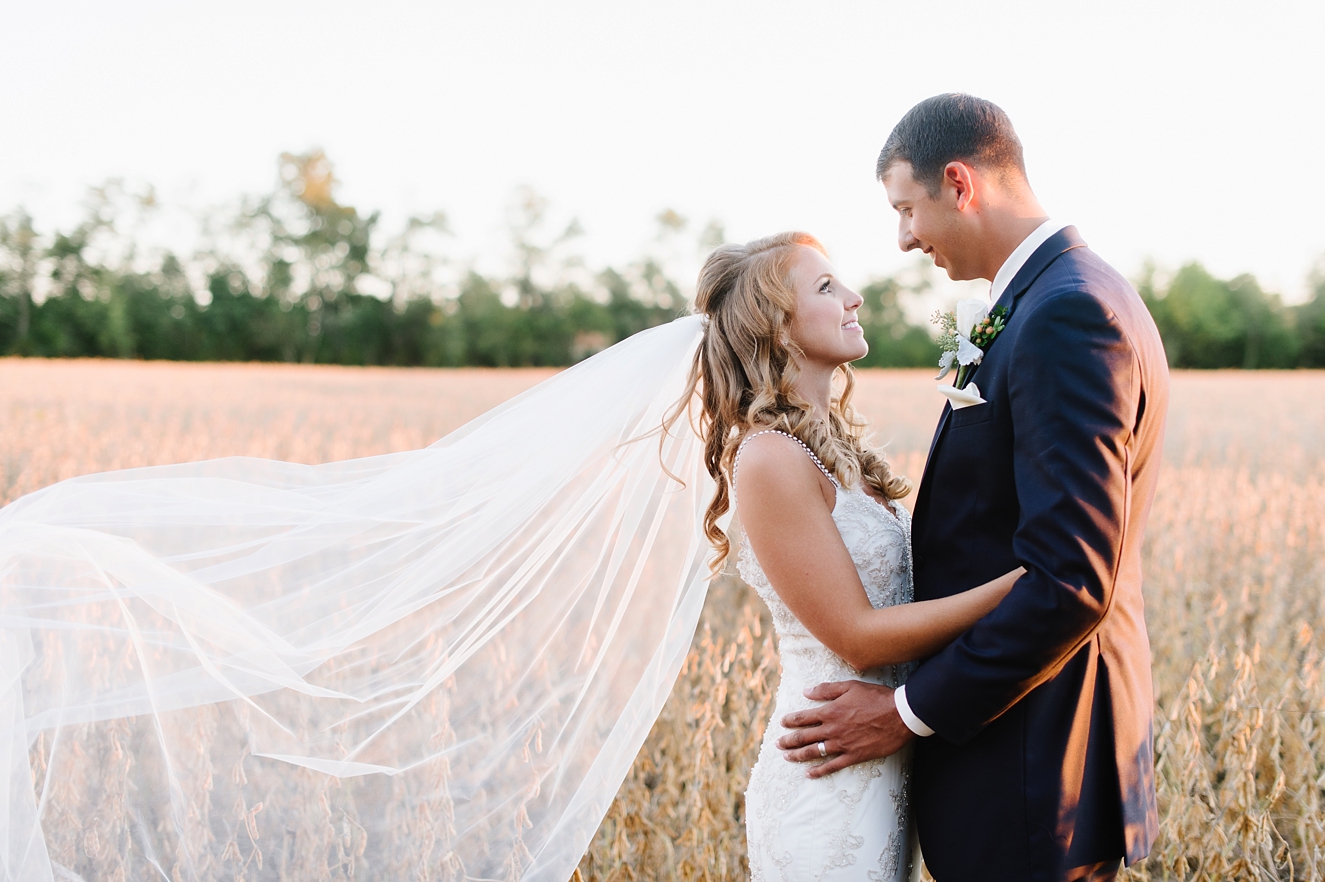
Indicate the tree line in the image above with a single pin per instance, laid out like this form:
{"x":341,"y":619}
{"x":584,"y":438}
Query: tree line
{"x":296,"y":276}
{"x":1208,"y":322}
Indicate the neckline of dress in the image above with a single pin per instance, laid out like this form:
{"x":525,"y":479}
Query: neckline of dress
{"x":837,"y":500}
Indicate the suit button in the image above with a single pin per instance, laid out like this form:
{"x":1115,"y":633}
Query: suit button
{"x":920,"y":560}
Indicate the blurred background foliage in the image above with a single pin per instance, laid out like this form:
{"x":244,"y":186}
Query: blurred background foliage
{"x":294,"y":275}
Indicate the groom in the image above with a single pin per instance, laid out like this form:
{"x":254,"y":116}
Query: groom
{"x":1033,"y":756}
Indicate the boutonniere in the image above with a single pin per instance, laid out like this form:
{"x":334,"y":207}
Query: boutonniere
{"x":966,"y":335}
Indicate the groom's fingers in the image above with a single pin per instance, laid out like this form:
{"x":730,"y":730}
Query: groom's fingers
{"x":829,"y":691}
{"x":798,"y":720}
{"x":819,"y":766}
{"x":798,"y":738}
{"x":831,"y":765}
{"x":811,"y":716}
{"x":808,"y":754}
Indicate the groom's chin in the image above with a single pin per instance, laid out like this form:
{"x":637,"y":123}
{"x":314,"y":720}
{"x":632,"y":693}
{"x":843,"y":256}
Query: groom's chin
{"x":950,"y":271}
{"x":956,"y":274}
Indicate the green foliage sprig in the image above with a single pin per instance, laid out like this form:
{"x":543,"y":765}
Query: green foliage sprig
{"x":993,"y":324}
{"x":947,"y":323}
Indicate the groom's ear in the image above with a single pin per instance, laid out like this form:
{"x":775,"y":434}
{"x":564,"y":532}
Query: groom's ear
{"x":958,"y":185}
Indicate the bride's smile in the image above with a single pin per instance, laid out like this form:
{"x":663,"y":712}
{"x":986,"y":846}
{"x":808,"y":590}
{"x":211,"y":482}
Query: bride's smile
{"x":825,"y":326}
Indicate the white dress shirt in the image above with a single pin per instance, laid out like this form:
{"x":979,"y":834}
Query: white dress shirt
{"x":1006,"y":273}
{"x":1022,"y":253}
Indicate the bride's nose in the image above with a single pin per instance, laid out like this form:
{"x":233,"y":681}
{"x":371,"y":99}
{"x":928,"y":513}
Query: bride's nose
{"x":853,"y":300}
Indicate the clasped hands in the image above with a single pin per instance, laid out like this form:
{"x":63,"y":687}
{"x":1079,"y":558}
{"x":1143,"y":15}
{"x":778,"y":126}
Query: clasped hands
{"x":859,"y":722}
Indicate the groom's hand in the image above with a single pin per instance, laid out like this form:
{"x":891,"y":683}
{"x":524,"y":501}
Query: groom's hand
{"x":860,"y":722}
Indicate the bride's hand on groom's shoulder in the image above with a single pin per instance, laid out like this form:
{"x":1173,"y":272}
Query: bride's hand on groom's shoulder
{"x":859,"y":722}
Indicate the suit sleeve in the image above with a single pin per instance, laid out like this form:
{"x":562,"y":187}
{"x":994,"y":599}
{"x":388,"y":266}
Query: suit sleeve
{"x":1073,"y":392}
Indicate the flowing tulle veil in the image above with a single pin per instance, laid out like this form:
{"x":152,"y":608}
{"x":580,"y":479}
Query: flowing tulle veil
{"x":428,"y":665}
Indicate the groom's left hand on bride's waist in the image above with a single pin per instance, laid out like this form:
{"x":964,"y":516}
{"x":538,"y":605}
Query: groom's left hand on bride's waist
{"x":858,"y":722}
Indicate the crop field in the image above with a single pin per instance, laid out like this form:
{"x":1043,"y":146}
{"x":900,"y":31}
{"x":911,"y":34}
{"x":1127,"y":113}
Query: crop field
{"x":1235,"y":585}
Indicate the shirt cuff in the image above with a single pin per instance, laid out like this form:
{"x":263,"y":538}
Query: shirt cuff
{"x":914,"y":723}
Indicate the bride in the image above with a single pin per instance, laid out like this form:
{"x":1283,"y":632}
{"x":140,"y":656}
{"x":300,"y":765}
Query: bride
{"x":828,"y":547}
{"x":442,"y":663}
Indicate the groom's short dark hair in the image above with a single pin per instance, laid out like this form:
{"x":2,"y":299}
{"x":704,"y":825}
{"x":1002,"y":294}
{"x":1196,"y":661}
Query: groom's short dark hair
{"x":948,"y":128}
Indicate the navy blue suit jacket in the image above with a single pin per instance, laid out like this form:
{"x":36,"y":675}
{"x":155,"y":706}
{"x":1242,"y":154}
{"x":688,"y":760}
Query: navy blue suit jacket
{"x":1042,"y":758}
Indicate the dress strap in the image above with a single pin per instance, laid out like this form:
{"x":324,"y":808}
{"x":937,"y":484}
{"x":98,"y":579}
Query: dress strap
{"x":737,"y":461}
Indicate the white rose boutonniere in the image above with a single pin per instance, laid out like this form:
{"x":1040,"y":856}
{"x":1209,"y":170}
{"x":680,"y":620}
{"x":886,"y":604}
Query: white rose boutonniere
{"x":967,"y":333}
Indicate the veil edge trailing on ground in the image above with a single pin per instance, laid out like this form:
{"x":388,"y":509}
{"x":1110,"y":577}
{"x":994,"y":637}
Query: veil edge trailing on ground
{"x":446,"y":658}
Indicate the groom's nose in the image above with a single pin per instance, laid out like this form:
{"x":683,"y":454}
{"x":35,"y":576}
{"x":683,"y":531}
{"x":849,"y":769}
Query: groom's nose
{"x":905,"y":240}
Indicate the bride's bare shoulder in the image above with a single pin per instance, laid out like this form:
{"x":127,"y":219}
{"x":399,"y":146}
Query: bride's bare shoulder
{"x":775,"y":469}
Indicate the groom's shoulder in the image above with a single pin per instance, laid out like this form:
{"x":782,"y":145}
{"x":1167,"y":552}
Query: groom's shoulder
{"x":1083,"y":271}
{"x":1081,"y":290}
{"x":1081,"y":277}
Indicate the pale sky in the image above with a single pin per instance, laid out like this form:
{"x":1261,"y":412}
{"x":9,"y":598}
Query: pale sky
{"x":1168,"y":131}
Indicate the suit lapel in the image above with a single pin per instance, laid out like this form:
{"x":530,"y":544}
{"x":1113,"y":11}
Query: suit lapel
{"x":934,"y":442}
{"x":1053,"y":248}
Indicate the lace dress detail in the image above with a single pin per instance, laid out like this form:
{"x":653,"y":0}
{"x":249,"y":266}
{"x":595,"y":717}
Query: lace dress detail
{"x":854,"y":824}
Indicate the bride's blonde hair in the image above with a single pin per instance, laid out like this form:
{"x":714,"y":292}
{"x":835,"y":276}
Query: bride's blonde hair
{"x":744,"y":374}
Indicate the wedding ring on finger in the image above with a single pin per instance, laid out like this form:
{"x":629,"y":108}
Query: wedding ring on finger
{"x":823,"y":749}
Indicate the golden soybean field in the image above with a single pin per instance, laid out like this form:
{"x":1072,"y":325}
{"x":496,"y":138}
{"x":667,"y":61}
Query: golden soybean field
{"x":1235,"y":585}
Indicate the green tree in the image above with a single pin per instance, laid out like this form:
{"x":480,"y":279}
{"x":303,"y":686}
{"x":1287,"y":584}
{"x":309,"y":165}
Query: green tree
{"x":1311,"y":321}
{"x":19,"y":253}
{"x":628,"y":314}
{"x":315,"y":251}
{"x":1207,"y":322}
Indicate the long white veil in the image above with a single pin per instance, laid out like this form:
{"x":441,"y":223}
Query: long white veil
{"x":429,"y":665}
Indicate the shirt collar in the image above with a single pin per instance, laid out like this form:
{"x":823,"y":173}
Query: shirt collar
{"x":1022,"y":253}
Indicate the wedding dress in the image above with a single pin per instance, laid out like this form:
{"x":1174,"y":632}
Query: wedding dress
{"x":855,"y":824}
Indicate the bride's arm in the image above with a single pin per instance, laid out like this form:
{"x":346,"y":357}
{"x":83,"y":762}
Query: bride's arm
{"x":787,"y":517}
{"x":918,"y":630}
